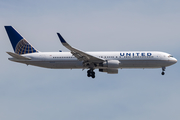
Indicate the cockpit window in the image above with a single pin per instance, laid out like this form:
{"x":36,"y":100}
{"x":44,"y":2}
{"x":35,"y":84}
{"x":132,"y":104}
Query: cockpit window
{"x":170,"y":56}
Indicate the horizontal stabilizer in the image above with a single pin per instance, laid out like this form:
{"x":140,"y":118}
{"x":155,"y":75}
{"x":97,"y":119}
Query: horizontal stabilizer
{"x":14,"y":55}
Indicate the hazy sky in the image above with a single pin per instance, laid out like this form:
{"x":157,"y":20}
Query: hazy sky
{"x":101,"y":25}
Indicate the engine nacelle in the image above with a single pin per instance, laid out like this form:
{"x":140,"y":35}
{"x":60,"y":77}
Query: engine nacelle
{"x":111,"y":64}
{"x":109,"y":71}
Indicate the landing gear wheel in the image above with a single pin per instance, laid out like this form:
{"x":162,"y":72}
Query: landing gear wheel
{"x":162,"y":73}
{"x":91,"y":73}
{"x":88,"y":75}
{"x":93,"y":76}
{"x":163,"y":69}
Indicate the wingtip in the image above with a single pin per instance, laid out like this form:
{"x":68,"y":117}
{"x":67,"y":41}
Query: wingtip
{"x":61,"y":38}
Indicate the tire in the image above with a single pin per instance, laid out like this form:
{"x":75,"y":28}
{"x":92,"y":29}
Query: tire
{"x":162,"y":73}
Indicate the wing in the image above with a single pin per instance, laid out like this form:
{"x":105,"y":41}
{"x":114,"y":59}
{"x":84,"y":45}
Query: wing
{"x":80,"y":55}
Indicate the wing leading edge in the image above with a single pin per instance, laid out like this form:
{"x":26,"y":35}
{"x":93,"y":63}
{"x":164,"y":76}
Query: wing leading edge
{"x":80,"y":55}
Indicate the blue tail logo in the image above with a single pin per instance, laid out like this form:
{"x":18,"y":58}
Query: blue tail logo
{"x":19,"y":44}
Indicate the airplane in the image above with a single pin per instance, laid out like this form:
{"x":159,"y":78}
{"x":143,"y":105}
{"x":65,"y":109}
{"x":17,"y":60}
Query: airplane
{"x":108,"y":62}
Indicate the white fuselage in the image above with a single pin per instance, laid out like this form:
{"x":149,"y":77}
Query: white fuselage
{"x":127,"y":59}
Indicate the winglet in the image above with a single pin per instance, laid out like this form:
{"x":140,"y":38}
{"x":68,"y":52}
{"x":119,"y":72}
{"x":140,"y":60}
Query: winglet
{"x":61,"y":38}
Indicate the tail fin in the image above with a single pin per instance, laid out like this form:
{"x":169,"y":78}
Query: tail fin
{"x":19,"y":44}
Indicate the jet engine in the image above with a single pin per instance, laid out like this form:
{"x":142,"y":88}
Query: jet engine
{"x":110,"y":64}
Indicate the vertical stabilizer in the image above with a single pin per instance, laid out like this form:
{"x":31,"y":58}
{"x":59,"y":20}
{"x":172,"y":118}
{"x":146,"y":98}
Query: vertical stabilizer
{"x":19,"y":44}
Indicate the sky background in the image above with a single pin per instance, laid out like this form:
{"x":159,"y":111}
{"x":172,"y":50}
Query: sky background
{"x":34,"y":93}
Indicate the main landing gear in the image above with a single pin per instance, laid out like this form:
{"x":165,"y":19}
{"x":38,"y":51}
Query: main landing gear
{"x":163,"y":69}
{"x":91,"y":73}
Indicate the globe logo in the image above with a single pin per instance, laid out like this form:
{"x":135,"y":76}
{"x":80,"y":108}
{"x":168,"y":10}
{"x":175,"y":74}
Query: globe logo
{"x":23,"y":47}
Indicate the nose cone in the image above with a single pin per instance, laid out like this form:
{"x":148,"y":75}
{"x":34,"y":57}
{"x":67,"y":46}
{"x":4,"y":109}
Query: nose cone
{"x":174,"y":60}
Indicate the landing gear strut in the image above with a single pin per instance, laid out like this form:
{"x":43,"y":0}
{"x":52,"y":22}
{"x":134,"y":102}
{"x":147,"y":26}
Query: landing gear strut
{"x":91,"y":73}
{"x":163,"y":69}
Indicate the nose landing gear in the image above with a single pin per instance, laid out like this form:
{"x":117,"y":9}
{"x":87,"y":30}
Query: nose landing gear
{"x":91,"y":73}
{"x":163,"y":69}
